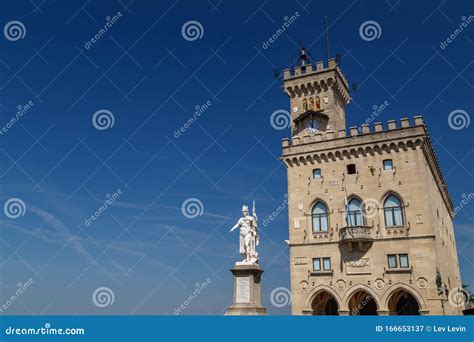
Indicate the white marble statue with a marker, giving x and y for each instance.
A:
(249, 239)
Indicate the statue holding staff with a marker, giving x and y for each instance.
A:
(249, 239)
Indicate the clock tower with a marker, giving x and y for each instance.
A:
(317, 96)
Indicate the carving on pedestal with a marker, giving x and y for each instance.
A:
(242, 289)
(247, 299)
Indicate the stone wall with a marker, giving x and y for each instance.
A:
(426, 236)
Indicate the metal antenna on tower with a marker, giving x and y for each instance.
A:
(327, 37)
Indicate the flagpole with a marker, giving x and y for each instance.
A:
(348, 218)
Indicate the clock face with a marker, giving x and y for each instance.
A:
(312, 126)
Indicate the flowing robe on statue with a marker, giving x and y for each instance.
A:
(248, 238)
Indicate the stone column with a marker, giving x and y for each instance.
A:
(247, 299)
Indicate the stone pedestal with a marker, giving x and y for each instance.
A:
(247, 300)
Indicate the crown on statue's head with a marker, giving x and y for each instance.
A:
(245, 208)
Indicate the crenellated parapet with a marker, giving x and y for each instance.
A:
(359, 142)
(355, 135)
(309, 79)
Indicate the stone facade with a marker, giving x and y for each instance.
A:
(359, 201)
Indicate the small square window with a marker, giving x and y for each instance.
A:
(327, 264)
(403, 260)
(392, 261)
(351, 169)
(316, 173)
(317, 264)
(388, 164)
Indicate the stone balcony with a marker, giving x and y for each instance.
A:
(356, 237)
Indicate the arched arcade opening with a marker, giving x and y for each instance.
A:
(362, 303)
(324, 303)
(402, 302)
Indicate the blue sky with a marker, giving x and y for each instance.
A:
(150, 78)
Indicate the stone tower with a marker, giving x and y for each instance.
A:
(318, 97)
(370, 217)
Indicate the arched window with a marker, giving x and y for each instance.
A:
(393, 211)
(305, 104)
(320, 217)
(311, 103)
(355, 213)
